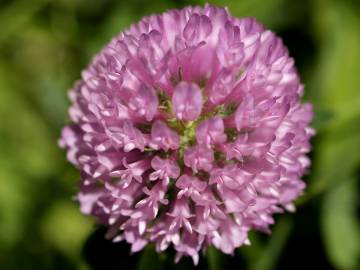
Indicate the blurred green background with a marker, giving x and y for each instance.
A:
(44, 44)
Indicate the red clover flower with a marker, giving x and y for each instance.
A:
(188, 131)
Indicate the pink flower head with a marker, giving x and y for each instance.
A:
(144, 103)
(164, 169)
(196, 113)
(189, 186)
(211, 132)
(187, 101)
(199, 158)
(162, 137)
(131, 171)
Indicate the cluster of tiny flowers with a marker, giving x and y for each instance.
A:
(189, 132)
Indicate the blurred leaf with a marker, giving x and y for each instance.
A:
(340, 228)
(322, 118)
(334, 146)
(333, 89)
(65, 228)
(28, 155)
(214, 258)
(253, 252)
(260, 9)
(17, 14)
(335, 80)
(14, 201)
(336, 156)
(275, 246)
(26, 138)
(47, 68)
(150, 259)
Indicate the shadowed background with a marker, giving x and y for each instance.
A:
(44, 44)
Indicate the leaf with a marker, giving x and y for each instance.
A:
(214, 258)
(16, 15)
(150, 259)
(336, 155)
(333, 88)
(15, 204)
(65, 228)
(273, 249)
(322, 118)
(261, 10)
(340, 228)
(24, 135)
(335, 79)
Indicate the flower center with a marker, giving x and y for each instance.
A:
(187, 138)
